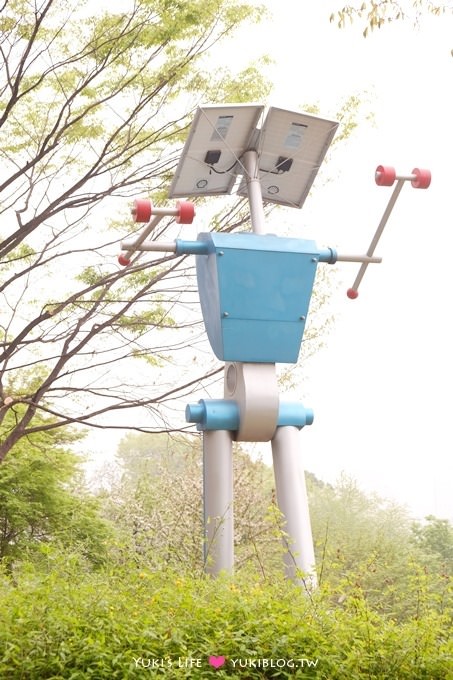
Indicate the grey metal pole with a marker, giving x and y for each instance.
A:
(293, 502)
(251, 165)
(378, 234)
(218, 501)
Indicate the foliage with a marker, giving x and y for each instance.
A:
(435, 539)
(142, 603)
(372, 540)
(157, 503)
(42, 499)
(65, 622)
(94, 106)
(377, 14)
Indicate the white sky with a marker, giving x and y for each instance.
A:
(380, 389)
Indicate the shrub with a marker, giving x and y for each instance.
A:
(66, 622)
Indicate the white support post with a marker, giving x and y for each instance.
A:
(254, 191)
(218, 501)
(293, 502)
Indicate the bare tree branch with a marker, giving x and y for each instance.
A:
(95, 107)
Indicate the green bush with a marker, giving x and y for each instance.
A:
(67, 622)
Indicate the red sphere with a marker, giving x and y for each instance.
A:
(123, 260)
(352, 294)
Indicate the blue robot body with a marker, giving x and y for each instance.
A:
(255, 292)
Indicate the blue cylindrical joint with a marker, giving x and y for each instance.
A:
(195, 413)
(223, 414)
(328, 255)
(214, 414)
(294, 413)
(191, 247)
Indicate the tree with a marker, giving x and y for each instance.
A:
(361, 541)
(378, 14)
(94, 106)
(435, 538)
(157, 503)
(365, 546)
(43, 501)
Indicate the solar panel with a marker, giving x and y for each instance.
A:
(211, 158)
(290, 148)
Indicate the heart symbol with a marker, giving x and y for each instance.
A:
(216, 661)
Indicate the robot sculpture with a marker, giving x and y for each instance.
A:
(255, 291)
